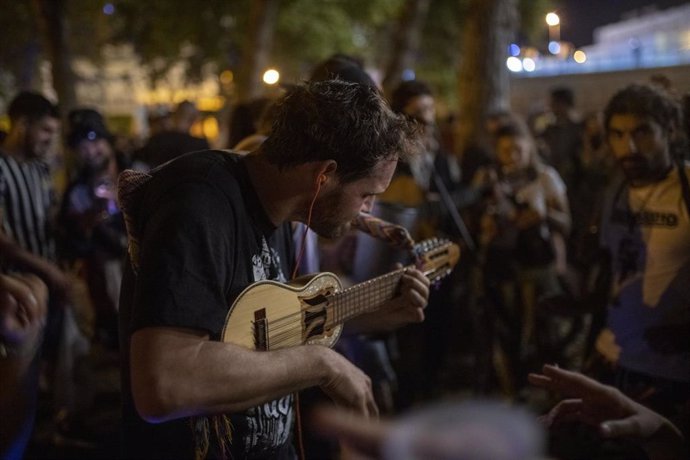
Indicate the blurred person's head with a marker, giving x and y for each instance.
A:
(515, 148)
(244, 118)
(342, 67)
(90, 139)
(562, 102)
(35, 125)
(415, 99)
(184, 116)
(642, 123)
(662, 81)
(159, 120)
(495, 120)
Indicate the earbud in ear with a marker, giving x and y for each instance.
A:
(322, 178)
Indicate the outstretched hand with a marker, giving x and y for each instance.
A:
(361, 435)
(23, 300)
(602, 406)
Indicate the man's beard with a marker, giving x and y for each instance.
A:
(327, 220)
(97, 166)
(637, 169)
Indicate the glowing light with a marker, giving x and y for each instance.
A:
(514, 64)
(552, 19)
(579, 56)
(210, 128)
(227, 77)
(271, 76)
(108, 9)
(408, 74)
(514, 50)
(554, 47)
(529, 65)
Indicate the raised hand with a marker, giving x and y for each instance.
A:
(606, 408)
(23, 300)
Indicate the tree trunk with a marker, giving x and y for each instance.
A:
(257, 47)
(483, 80)
(405, 42)
(53, 24)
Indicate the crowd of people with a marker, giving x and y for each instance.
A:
(575, 237)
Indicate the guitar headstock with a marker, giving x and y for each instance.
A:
(436, 257)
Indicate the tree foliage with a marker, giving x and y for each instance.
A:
(212, 33)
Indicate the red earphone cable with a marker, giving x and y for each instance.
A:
(298, 415)
(306, 230)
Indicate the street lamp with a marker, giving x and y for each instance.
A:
(554, 23)
(552, 19)
(271, 77)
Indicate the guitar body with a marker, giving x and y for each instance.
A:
(269, 315)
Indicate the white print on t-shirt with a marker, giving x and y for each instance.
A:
(266, 266)
(268, 425)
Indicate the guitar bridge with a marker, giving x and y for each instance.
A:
(260, 330)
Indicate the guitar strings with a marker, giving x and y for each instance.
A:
(389, 282)
(294, 330)
(285, 330)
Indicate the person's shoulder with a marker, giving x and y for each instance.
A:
(6, 157)
(547, 172)
(222, 169)
(549, 176)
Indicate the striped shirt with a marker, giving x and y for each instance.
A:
(26, 200)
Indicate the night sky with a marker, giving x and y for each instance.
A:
(579, 18)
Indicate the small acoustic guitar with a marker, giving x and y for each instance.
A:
(269, 315)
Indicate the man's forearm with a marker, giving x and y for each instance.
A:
(16, 256)
(176, 373)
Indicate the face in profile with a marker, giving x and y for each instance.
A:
(41, 136)
(336, 208)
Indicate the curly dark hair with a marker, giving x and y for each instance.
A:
(644, 101)
(336, 120)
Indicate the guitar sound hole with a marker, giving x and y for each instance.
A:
(314, 322)
(260, 330)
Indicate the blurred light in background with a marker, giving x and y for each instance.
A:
(529, 65)
(579, 56)
(554, 47)
(552, 19)
(108, 9)
(514, 50)
(226, 77)
(408, 75)
(271, 76)
(514, 64)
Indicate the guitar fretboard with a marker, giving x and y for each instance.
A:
(364, 297)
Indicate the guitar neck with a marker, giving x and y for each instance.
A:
(363, 297)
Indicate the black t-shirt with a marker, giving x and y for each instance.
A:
(203, 238)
